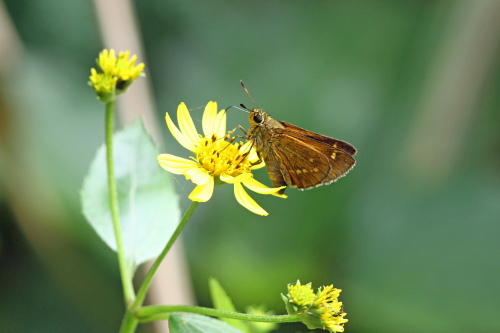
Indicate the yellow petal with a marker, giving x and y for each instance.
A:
(238, 179)
(246, 146)
(209, 117)
(336, 328)
(184, 141)
(175, 164)
(203, 193)
(220, 124)
(246, 201)
(253, 157)
(198, 175)
(186, 123)
(258, 187)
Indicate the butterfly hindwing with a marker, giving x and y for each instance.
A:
(277, 178)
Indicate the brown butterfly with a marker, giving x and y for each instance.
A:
(295, 156)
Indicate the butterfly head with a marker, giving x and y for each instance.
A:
(257, 116)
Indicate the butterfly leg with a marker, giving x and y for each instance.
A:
(242, 129)
(236, 137)
(248, 153)
(257, 162)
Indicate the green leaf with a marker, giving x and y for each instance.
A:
(222, 301)
(148, 205)
(195, 323)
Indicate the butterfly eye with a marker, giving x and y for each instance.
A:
(257, 118)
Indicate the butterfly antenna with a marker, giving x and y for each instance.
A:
(241, 81)
(244, 107)
(225, 111)
(247, 111)
(220, 123)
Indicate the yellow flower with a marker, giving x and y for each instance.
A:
(218, 159)
(121, 67)
(117, 74)
(332, 310)
(320, 310)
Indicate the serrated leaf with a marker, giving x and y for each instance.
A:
(195, 323)
(221, 301)
(148, 205)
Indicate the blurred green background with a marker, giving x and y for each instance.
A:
(411, 235)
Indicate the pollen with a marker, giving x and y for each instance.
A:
(217, 156)
(334, 155)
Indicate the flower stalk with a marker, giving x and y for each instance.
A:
(158, 312)
(128, 288)
(141, 294)
(131, 320)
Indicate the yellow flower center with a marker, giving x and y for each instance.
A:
(301, 295)
(219, 156)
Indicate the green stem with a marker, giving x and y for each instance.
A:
(128, 288)
(141, 294)
(157, 312)
(129, 322)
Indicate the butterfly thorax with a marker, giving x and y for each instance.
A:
(261, 126)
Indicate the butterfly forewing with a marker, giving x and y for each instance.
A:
(342, 145)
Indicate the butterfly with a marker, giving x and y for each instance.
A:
(295, 156)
